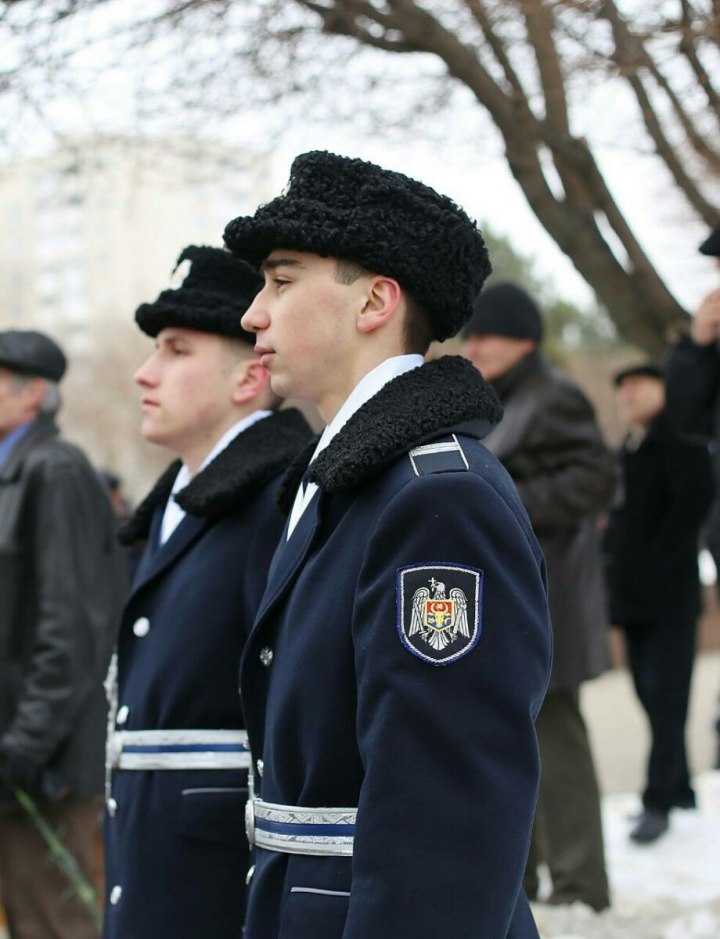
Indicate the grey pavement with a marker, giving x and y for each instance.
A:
(619, 732)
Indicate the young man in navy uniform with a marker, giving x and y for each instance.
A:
(176, 853)
(402, 647)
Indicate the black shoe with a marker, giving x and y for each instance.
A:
(651, 826)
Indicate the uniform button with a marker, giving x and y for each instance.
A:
(141, 627)
(266, 656)
(115, 894)
(260, 768)
(112, 808)
(123, 714)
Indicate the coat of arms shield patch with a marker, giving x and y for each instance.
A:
(439, 610)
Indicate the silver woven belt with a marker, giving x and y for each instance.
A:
(295, 829)
(179, 749)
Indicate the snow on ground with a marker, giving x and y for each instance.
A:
(668, 890)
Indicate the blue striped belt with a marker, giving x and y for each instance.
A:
(294, 829)
(179, 749)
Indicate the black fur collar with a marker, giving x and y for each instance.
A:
(410, 410)
(237, 474)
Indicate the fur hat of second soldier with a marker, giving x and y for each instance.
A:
(390, 224)
(209, 292)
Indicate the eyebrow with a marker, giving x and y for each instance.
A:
(271, 264)
(171, 339)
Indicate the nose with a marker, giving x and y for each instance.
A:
(145, 376)
(255, 318)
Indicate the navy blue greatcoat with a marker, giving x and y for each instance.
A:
(175, 848)
(356, 696)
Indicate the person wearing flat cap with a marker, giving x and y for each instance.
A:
(402, 647)
(551, 445)
(176, 855)
(62, 582)
(651, 548)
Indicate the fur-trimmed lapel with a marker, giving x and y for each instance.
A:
(410, 410)
(236, 475)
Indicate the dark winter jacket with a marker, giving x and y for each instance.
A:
(651, 543)
(62, 582)
(692, 379)
(693, 408)
(550, 444)
(396, 666)
(176, 854)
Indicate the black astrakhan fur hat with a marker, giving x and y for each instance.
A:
(390, 224)
(210, 290)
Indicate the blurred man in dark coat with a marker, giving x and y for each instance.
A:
(549, 442)
(693, 382)
(176, 851)
(61, 587)
(651, 545)
(402, 647)
(693, 398)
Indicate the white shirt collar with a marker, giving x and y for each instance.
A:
(366, 388)
(173, 513)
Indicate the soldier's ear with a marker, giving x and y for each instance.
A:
(382, 299)
(251, 381)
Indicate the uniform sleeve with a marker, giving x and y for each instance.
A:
(449, 751)
(78, 584)
(571, 472)
(693, 385)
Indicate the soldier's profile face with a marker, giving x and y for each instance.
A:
(304, 321)
(187, 384)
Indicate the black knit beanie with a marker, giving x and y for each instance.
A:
(210, 290)
(505, 310)
(384, 221)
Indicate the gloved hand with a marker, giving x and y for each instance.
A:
(17, 771)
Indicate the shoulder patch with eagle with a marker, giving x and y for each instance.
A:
(439, 610)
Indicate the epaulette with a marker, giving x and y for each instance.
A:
(444, 455)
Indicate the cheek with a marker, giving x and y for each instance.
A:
(190, 390)
(311, 320)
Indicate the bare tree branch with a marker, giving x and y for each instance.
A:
(633, 55)
(687, 48)
(520, 60)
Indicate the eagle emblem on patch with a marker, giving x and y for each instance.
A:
(439, 610)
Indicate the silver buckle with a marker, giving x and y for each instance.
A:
(250, 821)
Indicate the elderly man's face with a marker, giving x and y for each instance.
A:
(493, 356)
(18, 401)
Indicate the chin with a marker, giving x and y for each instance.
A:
(152, 434)
(283, 386)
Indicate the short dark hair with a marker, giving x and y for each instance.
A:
(418, 328)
